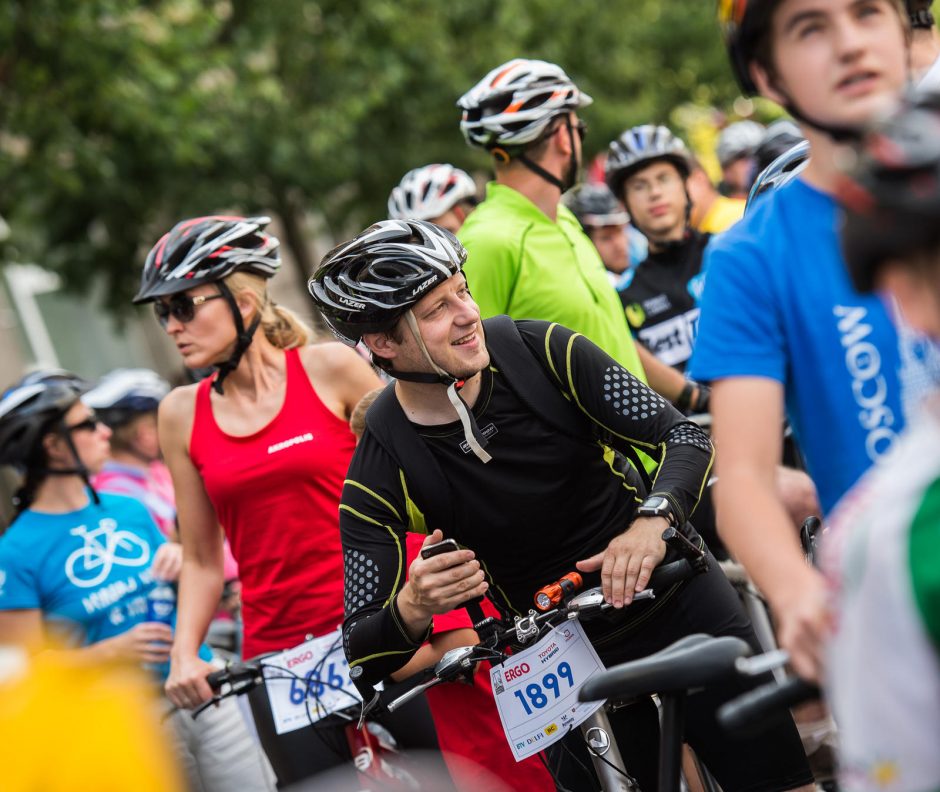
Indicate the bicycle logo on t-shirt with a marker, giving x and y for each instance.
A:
(91, 563)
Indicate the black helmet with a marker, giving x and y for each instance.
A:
(595, 205)
(781, 136)
(31, 408)
(742, 23)
(206, 250)
(365, 285)
(919, 12)
(122, 394)
(891, 196)
(638, 147)
(781, 171)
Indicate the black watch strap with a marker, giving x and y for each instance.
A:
(658, 506)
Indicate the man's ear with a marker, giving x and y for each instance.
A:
(766, 84)
(381, 345)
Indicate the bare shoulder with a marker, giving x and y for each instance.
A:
(340, 375)
(177, 409)
(329, 356)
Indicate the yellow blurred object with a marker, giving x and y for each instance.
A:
(68, 727)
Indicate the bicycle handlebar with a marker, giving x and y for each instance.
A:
(527, 629)
(234, 673)
(744, 713)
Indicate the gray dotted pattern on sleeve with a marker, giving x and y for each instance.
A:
(630, 397)
(362, 580)
(689, 434)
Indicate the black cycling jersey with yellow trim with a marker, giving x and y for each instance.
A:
(546, 500)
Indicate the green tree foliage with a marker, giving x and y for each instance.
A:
(118, 118)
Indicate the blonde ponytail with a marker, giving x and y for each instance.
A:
(281, 326)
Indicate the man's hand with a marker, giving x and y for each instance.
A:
(629, 560)
(438, 585)
(804, 624)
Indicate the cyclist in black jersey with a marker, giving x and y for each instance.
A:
(647, 168)
(525, 501)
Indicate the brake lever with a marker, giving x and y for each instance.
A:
(417, 690)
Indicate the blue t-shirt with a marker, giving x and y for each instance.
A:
(88, 571)
(778, 303)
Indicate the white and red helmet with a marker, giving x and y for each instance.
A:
(429, 192)
(513, 105)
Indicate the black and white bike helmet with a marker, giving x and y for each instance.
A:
(367, 284)
(33, 407)
(638, 147)
(429, 192)
(781, 171)
(122, 394)
(891, 195)
(207, 250)
(595, 206)
(514, 104)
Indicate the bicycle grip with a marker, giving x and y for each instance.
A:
(233, 673)
(667, 575)
(754, 709)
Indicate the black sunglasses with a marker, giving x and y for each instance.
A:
(90, 423)
(581, 128)
(181, 307)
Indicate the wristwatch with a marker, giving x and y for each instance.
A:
(657, 506)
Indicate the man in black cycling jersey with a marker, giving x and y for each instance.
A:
(525, 501)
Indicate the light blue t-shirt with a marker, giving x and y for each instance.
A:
(88, 571)
(778, 303)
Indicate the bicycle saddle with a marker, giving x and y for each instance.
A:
(691, 662)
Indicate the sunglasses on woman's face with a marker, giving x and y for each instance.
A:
(88, 425)
(181, 307)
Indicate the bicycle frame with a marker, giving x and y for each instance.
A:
(597, 729)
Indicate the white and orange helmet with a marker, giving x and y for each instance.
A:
(514, 104)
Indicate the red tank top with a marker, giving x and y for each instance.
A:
(276, 493)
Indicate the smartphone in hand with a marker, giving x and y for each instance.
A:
(446, 546)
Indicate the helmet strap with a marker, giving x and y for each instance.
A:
(538, 170)
(79, 469)
(242, 340)
(838, 134)
(471, 431)
(571, 176)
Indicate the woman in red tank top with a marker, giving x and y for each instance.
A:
(260, 448)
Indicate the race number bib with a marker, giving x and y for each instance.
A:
(309, 682)
(536, 690)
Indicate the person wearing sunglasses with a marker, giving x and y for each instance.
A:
(76, 568)
(260, 447)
